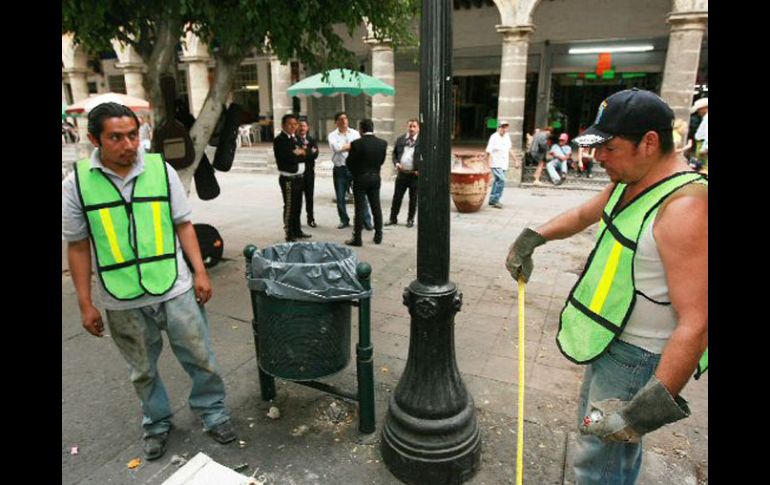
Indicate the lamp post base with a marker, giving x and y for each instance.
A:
(431, 435)
(424, 452)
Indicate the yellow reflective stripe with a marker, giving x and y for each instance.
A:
(158, 228)
(109, 228)
(600, 297)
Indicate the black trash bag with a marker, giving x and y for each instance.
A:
(228, 138)
(313, 272)
(205, 180)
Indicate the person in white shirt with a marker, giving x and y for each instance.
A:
(701, 106)
(405, 158)
(339, 142)
(498, 150)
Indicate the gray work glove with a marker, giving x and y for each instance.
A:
(652, 407)
(519, 261)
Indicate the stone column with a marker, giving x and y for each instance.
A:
(513, 78)
(132, 66)
(79, 86)
(74, 61)
(682, 59)
(281, 80)
(384, 107)
(195, 54)
(543, 105)
(134, 76)
(263, 79)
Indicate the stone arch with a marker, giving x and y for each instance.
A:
(73, 56)
(516, 12)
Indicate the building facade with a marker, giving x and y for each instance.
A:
(532, 62)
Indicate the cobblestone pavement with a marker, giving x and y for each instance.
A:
(101, 415)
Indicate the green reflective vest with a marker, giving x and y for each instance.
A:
(603, 298)
(134, 242)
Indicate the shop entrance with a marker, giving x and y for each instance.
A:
(475, 102)
(576, 98)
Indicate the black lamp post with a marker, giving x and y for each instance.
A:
(431, 435)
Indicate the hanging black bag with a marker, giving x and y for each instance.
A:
(228, 138)
(206, 184)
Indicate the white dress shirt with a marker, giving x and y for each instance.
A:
(338, 140)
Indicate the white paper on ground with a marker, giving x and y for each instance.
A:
(202, 470)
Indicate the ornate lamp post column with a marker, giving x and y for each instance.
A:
(431, 435)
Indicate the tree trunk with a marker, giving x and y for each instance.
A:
(212, 108)
(161, 61)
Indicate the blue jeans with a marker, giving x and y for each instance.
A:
(619, 373)
(553, 165)
(342, 180)
(137, 334)
(497, 186)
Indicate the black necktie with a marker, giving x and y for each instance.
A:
(410, 142)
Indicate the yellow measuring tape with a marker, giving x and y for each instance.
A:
(520, 430)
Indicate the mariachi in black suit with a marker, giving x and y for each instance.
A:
(311, 148)
(291, 182)
(367, 154)
(405, 179)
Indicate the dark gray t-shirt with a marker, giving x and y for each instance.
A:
(539, 146)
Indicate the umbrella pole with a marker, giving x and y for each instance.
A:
(342, 98)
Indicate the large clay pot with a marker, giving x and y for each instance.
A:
(471, 180)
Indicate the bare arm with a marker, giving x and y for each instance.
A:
(79, 258)
(189, 241)
(575, 220)
(681, 232)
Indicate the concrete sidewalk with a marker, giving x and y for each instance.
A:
(314, 442)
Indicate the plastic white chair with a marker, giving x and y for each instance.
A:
(244, 136)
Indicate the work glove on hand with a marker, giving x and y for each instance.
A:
(652, 407)
(519, 261)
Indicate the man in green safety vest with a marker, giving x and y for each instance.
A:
(638, 315)
(131, 208)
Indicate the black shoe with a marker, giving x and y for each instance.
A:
(409, 223)
(155, 446)
(391, 223)
(368, 227)
(223, 433)
(311, 223)
(304, 235)
(377, 237)
(343, 225)
(291, 239)
(354, 242)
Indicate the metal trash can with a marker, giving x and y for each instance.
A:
(302, 341)
(302, 296)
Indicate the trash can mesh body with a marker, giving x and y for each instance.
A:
(303, 293)
(301, 340)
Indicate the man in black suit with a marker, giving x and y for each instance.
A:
(367, 154)
(405, 158)
(290, 160)
(309, 144)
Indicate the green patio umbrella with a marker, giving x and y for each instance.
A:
(341, 81)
